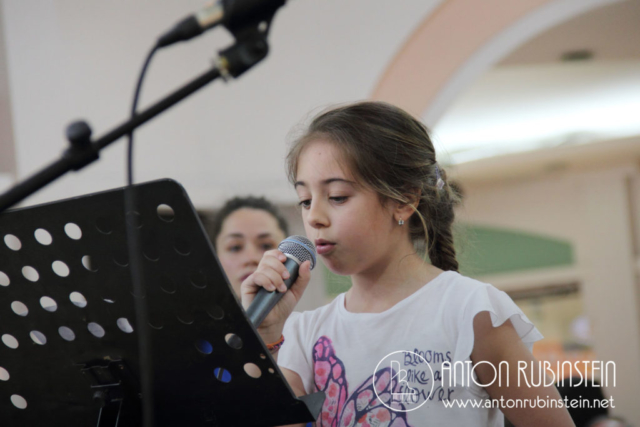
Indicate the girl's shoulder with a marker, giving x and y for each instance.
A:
(457, 286)
(468, 297)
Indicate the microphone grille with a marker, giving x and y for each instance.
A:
(299, 247)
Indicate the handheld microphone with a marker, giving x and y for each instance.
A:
(297, 249)
(230, 13)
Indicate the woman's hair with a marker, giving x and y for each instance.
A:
(391, 152)
(250, 202)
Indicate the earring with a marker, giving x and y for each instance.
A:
(401, 221)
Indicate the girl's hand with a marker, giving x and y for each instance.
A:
(271, 274)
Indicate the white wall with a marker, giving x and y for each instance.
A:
(596, 209)
(7, 154)
(71, 59)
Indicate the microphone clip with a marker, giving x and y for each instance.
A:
(250, 48)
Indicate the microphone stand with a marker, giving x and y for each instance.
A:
(250, 48)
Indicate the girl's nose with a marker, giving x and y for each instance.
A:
(317, 216)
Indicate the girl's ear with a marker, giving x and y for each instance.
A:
(405, 210)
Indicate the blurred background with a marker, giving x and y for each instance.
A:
(534, 107)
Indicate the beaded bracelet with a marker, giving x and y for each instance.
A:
(276, 345)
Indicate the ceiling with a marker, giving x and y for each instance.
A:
(533, 99)
(610, 32)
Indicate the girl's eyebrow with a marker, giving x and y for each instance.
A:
(325, 182)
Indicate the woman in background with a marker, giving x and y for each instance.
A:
(242, 231)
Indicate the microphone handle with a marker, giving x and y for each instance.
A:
(264, 300)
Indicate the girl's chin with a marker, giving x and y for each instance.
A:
(337, 268)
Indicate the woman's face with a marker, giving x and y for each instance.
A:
(245, 235)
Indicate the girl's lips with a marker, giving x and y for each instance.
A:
(324, 248)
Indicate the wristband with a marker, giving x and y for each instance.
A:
(273, 347)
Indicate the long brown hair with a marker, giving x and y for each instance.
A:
(391, 152)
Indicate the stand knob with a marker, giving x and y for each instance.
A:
(79, 134)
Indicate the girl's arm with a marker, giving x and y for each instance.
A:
(502, 343)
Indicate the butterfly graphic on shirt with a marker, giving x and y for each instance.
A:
(363, 407)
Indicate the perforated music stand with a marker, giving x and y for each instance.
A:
(66, 300)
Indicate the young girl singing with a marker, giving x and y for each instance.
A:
(375, 203)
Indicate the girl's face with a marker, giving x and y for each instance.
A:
(245, 235)
(352, 231)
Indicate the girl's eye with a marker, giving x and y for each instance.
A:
(235, 248)
(268, 246)
(305, 203)
(339, 200)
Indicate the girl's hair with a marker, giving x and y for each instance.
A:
(390, 152)
(250, 202)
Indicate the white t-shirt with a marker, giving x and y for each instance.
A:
(338, 352)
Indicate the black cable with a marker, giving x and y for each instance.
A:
(134, 107)
(133, 239)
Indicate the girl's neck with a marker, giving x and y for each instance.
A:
(386, 284)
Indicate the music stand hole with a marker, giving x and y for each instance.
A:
(252, 370)
(96, 330)
(124, 325)
(19, 308)
(4, 279)
(78, 299)
(10, 341)
(38, 337)
(138, 293)
(30, 273)
(104, 225)
(18, 401)
(60, 268)
(185, 317)
(109, 300)
(222, 375)
(151, 252)
(12, 242)
(204, 346)
(4, 374)
(166, 213)
(89, 263)
(168, 285)
(263, 356)
(216, 313)
(271, 371)
(121, 260)
(135, 219)
(156, 323)
(73, 231)
(199, 280)
(182, 246)
(233, 341)
(66, 333)
(48, 304)
(43, 237)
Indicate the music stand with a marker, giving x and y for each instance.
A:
(65, 287)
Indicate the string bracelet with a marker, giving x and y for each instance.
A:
(273, 347)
